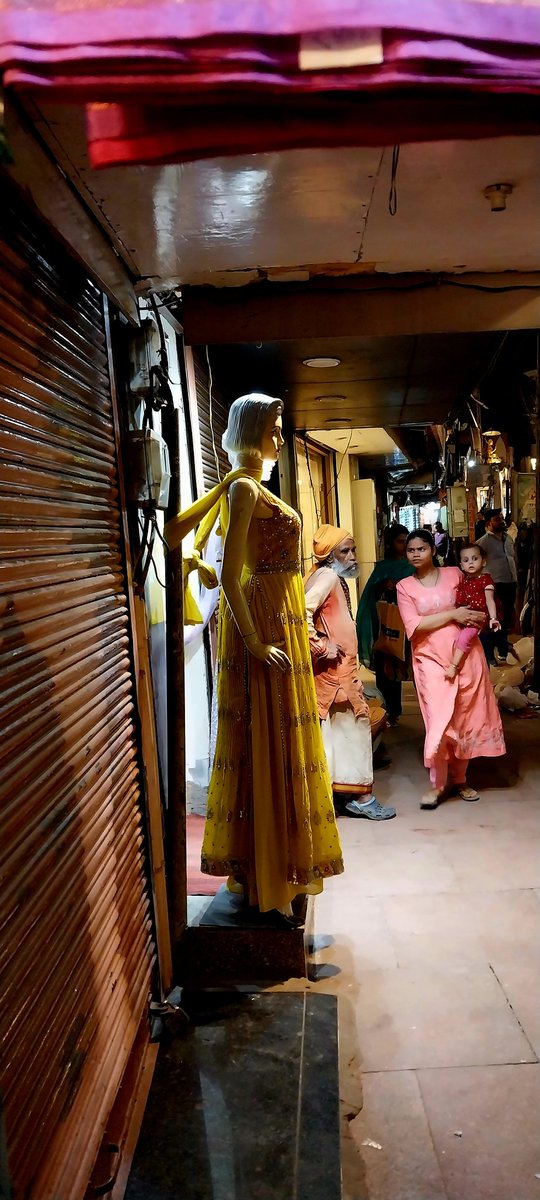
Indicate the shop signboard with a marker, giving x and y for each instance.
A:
(524, 498)
(458, 511)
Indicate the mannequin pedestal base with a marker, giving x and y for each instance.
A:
(234, 944)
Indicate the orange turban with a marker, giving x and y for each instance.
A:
(326, 539)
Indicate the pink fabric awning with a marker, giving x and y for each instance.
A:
(173, 81)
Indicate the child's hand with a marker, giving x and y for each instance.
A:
(495, 625)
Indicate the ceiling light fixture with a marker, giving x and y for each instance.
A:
(321, 399)
(321, 364)
(496, 193)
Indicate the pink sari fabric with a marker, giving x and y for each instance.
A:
(461, 716)
(175, 80)
(74, 22)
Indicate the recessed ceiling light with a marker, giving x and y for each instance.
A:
(321, 363)
(321, 399)
(334, 422)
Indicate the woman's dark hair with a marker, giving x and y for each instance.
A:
(390, 534)
(422, 535)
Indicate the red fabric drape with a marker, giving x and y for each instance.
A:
(122, 133)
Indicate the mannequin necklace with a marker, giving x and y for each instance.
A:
(430, 585)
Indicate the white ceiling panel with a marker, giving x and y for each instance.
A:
(292, 214)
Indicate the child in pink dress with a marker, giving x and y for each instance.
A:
(476, 591)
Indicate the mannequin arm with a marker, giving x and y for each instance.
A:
(242, 501)
(243, 496)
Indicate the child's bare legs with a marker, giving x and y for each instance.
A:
(462, 645)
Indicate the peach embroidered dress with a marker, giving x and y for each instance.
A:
(270, 818)
(461, 715)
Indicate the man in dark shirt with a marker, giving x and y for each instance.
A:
(498, 548)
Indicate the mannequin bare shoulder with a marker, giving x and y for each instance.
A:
(243, 498)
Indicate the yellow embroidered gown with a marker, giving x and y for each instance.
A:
(270, 819)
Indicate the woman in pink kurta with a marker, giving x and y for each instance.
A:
(461, 715)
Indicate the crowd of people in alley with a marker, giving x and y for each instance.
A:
(423, 617)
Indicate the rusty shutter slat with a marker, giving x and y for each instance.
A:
(219, 413)
(76, 948)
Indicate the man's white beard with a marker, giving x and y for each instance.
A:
(345, 572)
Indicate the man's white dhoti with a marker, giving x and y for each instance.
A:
(347, 742)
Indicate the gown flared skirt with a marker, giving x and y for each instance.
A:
(270, 819)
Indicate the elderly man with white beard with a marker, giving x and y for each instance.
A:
(343, 709)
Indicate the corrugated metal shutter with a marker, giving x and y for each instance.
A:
(210, 447)
(76, 942)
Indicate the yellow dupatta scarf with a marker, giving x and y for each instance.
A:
(204, 513)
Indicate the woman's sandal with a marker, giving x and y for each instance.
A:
(466, 793)
(431, 799)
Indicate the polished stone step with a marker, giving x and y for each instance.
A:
(244, 1104)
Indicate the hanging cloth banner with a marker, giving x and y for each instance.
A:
(172, 82)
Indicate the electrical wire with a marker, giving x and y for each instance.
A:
(160, 536)
(145, 555)
(160, 581)
(211, 412)
(454, 412)
(393, 196)
(430, 284)
(338, 472)
(491, 365)
(148, 525)
(312, 486)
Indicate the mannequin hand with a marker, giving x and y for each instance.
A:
(469, 616)
(495, 625)
(332, 652)
(273, 656)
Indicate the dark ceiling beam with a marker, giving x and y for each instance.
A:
(375, 306)
(403, 439)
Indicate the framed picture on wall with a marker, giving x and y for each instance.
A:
(524, 497)
(458, 514)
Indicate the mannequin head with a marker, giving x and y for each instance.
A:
(253, 430)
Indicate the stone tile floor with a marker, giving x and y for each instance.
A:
(431, 942)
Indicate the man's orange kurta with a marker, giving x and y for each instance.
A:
(330, 619)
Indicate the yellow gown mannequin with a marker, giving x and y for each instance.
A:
(270, 822)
